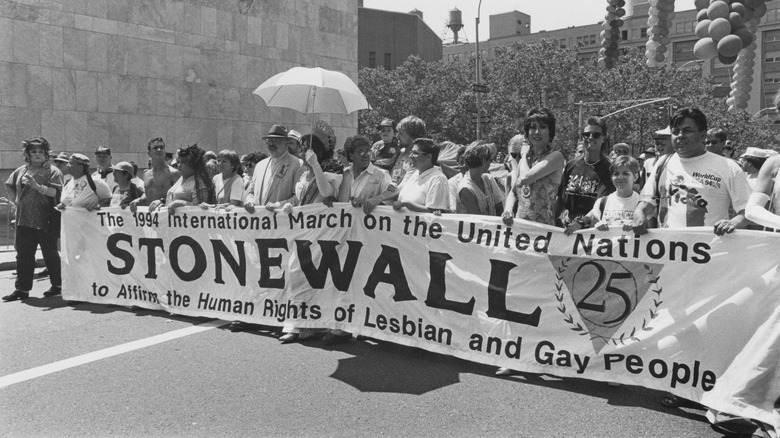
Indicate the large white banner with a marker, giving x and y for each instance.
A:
(682, 311)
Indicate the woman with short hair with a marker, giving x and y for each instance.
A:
(228, 183)
(538, 172)
(424, 189)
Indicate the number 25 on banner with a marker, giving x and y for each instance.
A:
(605, 293)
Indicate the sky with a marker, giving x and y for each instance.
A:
(545, 14)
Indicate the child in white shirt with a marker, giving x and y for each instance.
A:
(616, 208)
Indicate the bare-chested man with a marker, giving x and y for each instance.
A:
(158, 179)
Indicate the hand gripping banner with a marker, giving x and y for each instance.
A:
(682, 311)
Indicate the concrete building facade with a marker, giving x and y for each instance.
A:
(766, 78)
(88, 73)
(386, 39)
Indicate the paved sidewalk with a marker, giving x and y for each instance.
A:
(8, 260)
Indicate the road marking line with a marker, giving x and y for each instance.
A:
(54, 367)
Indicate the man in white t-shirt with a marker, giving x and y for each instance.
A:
(696, 187)
(84, 191)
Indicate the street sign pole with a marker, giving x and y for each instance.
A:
(479, 95)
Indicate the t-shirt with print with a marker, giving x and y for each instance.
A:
(78, 193)
(698, 191)
(582, 184)
(617, 210)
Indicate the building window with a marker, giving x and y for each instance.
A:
(643, 32)
(372, 59)
(772, 77)
(624, 35)
(772, 35)
(773, 56)
(563, 43)
(593, 39)
(388, 61)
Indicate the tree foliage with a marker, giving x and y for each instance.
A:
(525, 75)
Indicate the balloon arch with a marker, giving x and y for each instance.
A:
(726, 29)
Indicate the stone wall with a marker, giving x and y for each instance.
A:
(85, 73)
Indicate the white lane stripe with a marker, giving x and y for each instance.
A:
(54, 367)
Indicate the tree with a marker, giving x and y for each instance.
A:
(525, 75)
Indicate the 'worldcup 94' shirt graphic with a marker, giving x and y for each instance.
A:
(698, 191)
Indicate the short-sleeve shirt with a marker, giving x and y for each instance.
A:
(429, 188)
(617, 210)
(234, 191)
(582, 183)
(32, 208)
(78, 193)
(697, 191)
(372, 181)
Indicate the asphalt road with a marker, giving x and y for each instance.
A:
(70, 369)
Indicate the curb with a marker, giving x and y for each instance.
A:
(8, 263)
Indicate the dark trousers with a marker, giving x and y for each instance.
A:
(27, 241)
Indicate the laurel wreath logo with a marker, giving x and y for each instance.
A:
(624, 336)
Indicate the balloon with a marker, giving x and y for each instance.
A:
(701, 15)
(705, 48)
(666, 6)
(718, 9)
(730, 45)
(730, 100)
(748, 89)
(664, 31)
(652, 45)
(665, 40)
(745, 35)
(662, 16)
(660, 57)
(735, 20)
(619, 22)
(742, 105)
(759, 11)
(701, 4)
(739, 8)
(749, 63)
(651, 63)
(611, 9)
(612, 2)
(726, 60)
(703, 28)
(620, 12)
(621, 3)
(750, 3)
(652, 11)
(652, 21)
(661, 49)
(748, 15)
(719, 28)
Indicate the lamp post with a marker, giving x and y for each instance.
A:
(478, 71)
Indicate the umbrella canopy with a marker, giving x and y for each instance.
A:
(312, 90)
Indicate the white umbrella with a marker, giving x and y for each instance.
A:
(312, 90)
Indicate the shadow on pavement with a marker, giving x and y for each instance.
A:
(379, 366)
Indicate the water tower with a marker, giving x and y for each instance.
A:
(455, 24)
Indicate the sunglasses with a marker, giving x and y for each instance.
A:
(595, 135)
